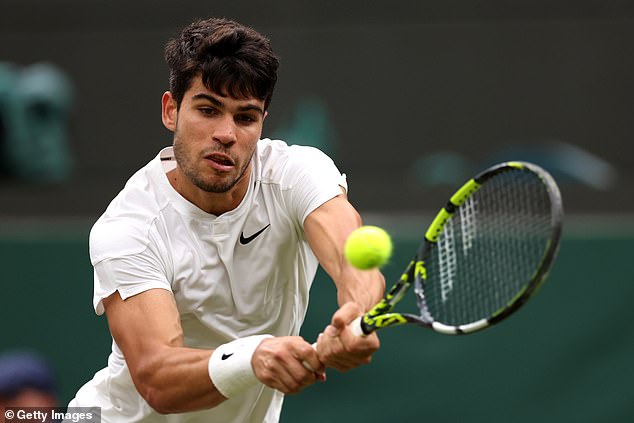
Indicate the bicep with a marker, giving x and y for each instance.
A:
(171, 377)
(327, 229)
(143, 324)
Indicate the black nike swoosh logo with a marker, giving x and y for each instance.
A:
(245, 240)
(225, 356)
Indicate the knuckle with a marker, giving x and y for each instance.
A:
(294, 386)
(266, 377)
(278, 354)
(307, 379)
(304, 350)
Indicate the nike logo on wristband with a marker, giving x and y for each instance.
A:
(225, 356)
(245, 240)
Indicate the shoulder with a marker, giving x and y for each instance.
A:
(304, 176)
(112, 237)
(272, 150)
(278, 162)
(124, 227)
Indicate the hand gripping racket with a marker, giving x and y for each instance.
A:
(483, 256)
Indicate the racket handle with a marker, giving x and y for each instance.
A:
(355, 327)
(310, 368)
(305, 363)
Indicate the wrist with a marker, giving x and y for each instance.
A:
(230, 368)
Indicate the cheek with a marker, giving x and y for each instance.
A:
(249, 147)
(191, 132)
(250, 136)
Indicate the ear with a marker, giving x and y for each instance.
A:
(169, 111)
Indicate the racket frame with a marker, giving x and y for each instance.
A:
(381, 315)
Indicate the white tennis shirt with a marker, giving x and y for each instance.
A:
(245, 272)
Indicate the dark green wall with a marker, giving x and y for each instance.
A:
(565, 357)
(46, 305)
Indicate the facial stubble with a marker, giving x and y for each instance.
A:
(187, 165)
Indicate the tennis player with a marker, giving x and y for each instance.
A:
(203, 262)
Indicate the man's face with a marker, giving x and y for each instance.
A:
(215, 137)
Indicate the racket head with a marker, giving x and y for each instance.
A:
(488, 250)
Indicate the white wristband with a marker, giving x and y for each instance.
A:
(230, 367)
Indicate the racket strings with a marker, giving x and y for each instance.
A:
(489, 250)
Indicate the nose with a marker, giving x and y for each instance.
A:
(225, 131)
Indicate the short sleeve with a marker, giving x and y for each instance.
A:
(124, 260)
(129, 275)
(312, 178)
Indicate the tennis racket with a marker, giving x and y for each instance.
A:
(483, 256)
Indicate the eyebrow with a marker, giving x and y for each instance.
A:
(213, 100)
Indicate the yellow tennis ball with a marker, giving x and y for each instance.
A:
(368, 247)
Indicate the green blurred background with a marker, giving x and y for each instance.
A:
(564, 357)
(410, 97)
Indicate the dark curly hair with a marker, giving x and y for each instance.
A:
(232, 59)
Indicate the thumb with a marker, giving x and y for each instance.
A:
(332, 330)
(346, 314)
(338, 322)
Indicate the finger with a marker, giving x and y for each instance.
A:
(346, 314)
(358, 350)
(319, 375)
(359, 345)
(310, 361)
(277, 364)
(303, 364)
(333, 353)
(300, 376)
(315, 366)
(346, 341)
(272, 378)
(285, 379)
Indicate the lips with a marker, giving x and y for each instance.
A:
(220, 161)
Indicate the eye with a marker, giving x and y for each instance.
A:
(209, 111)
(246, 119)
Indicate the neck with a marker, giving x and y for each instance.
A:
(215, 203)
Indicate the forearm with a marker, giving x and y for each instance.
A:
(169, 376)
(327, 229)
(176, 379)
(362, 287)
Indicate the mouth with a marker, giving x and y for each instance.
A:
(220, 161)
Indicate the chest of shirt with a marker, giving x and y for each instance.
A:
(235, 265)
